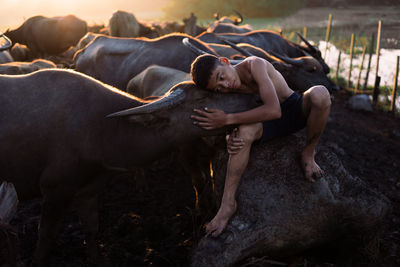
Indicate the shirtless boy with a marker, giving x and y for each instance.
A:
(283, 112)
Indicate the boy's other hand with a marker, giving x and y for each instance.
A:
(233, 142)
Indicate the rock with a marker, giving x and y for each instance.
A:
(281, 214)
(8, 202)
(8, 235)
(395, 133)
(360, 102)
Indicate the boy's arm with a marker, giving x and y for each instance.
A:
(270, 109)
(214, 118)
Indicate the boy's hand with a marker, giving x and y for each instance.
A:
(233, 142)
(209, 119)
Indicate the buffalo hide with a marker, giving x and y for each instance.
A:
(280, 214)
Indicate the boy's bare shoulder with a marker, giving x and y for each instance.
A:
(254, 60)
(258, 64)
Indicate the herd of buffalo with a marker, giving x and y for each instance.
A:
(84, 104)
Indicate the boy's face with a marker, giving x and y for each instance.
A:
(224, 78)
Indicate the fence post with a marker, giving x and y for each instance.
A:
(394, 91)
(361, 68)
(378, 44)
(351, 60)
(338, 65)
(371, 51)
(328, 34)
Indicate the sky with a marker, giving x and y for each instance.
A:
(14, 12)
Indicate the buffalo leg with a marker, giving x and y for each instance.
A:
(87, 200)
(195, 159)
(57, 194)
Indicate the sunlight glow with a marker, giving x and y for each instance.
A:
(14, 12)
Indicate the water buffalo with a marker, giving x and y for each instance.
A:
(229, 28)
(117, 60)
(227, 25)
(20, 52)
(5, 56)
(124, 24)
(155, 81)
(225, 19)
(87, 38)
(45, 35)
(268, 41)
(61, 130)
(18, 67)
(300, 73)
(190, 26)
(6, 42)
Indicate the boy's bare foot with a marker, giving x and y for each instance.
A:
(311, 169)
(217, 225)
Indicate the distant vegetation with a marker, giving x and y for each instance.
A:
(178, 9)
(204, 9)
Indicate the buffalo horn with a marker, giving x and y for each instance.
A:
(306, 42)
(240, 17)
(234, 46)
(195, 49)
(8, 43)
(296, 62)
(170, 100)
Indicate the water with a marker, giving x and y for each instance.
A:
(386, 69)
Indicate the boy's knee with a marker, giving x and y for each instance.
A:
(320, 97)
(250, 132)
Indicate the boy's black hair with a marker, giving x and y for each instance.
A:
(201, 69)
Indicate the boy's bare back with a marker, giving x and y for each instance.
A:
(258, 74)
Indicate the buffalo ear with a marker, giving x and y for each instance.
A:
(281, 67)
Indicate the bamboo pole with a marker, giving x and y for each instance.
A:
(361, 68)
(338, 65)
(351, 60)
(328, 33)
(394, 91)
(371, 51)
(378, 44)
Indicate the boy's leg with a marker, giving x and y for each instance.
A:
(315, 107)
(236, 165)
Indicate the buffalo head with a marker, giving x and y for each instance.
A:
(313, 51)
(303, 72)
(173, 111)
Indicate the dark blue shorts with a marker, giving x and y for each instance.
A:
(291, 120)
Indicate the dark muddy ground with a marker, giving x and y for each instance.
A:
(155, 224)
